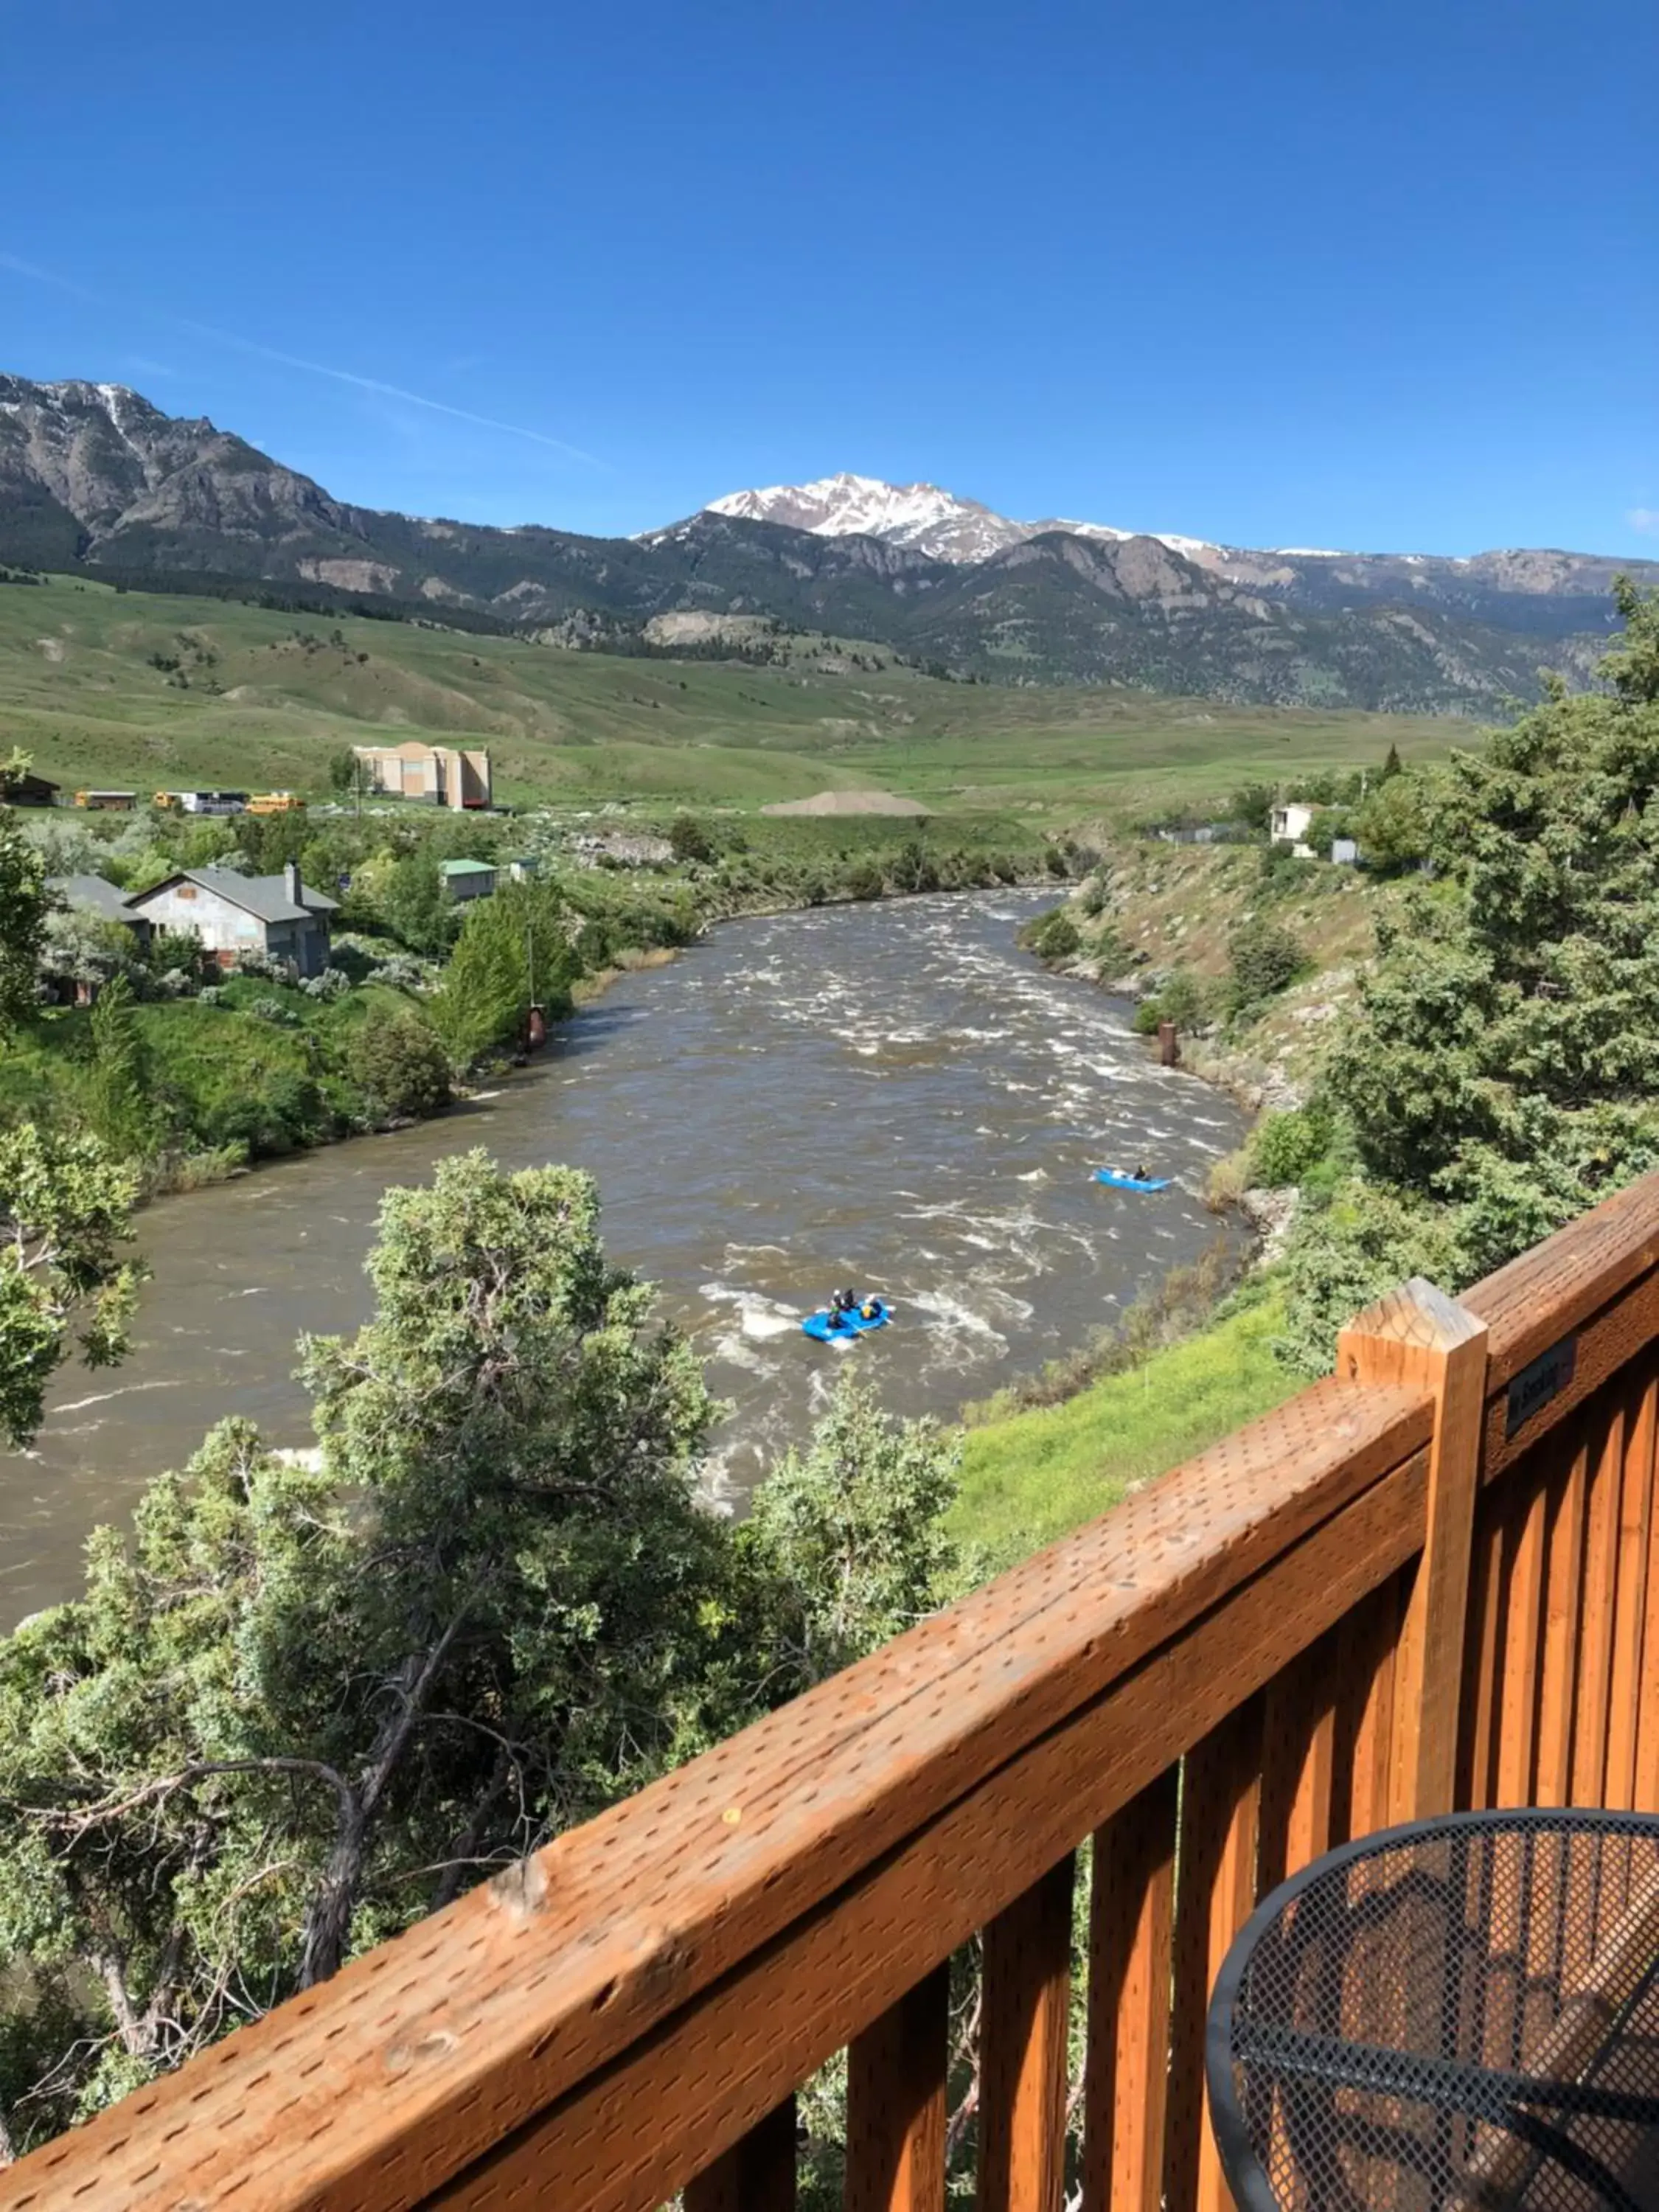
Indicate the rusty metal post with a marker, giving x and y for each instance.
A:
(1169, 1045)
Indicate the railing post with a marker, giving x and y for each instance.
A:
(1419, 1337)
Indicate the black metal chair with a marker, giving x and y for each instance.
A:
(1462, 2013)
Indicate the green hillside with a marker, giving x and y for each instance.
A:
(110, 687)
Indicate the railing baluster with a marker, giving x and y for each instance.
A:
(896, 2085)
(1589, 1754)
(1215, 1890)
(756, 2174)
(1299, 1759)
(1022, 2097)
(1126, 2071)
(1564, 1592)
(1480, 1722)
(1366, 1642)
(1632, 1653)
(1523, 1605)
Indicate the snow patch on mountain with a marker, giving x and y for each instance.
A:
(923, 516)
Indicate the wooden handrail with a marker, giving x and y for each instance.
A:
(597, 2026)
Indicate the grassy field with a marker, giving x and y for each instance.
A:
(1032, 1477)
(131, 689)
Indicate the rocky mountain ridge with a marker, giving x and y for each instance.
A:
(95, 477)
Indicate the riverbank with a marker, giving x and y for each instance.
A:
(1035, 1475)
(1161, 924)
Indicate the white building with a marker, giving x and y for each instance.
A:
(1289, 825)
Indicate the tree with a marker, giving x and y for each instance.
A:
(1506, 1058)
(397, 1059)
(311, 1703)
(1392, 765)
(82, 948)
(689, 839)
(482, 1003)
(118, 1083)
(65, 1210)
(1393, 826)
(1264, 957)
(315, 1703)
(25, 904)
(346, 772)
(852, 1532)
(1503, 1071)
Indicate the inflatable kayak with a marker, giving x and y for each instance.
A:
(1133, 1182)
(848, 1325)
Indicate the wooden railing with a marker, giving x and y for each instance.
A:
(1427, 1581)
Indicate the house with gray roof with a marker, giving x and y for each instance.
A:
(278, 918)
(103, 900)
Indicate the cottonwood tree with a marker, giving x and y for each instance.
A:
(67, 1280)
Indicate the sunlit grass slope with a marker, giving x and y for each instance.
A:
(247, 695)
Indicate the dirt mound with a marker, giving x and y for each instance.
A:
(849, 802)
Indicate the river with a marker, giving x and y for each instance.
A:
(894, 1097)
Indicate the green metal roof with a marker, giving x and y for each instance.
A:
(465, 868)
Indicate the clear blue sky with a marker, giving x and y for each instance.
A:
(1273, 272)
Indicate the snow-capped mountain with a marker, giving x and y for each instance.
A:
(934, 521)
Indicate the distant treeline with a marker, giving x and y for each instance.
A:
(296, 598)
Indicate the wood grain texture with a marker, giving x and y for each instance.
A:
(756, 2174)
(1022, 2107)
(1563, 1598)
(896, 2085)
(1478, 1723)
(727, 2059)
(1523, 1615)
(1215, 1890)
(1299, 1763)
(1127, 2069)
(1632, 1654)
(1606, 1447)
(1419, 1337)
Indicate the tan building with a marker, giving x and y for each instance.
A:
(443, 773)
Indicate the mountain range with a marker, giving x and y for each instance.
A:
(94, 476)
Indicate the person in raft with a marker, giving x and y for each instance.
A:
(843, 1305)
(1142, 1173)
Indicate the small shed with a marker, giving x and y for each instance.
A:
(467, 880)
(25, 788)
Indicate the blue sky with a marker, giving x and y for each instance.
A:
(1277, 272)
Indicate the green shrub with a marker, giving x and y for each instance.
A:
(1286, 1147)
(1264, 957)
(689, 840)
(398, 1062)
(1052, 936)
(863, 881)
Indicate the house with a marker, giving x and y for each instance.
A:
(444, 774)
(103, 900)
(278, 918)
(24, 789)
(1288, 824)
(467, 880)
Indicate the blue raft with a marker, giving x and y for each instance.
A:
(1133, 1182)
(853, 1324)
